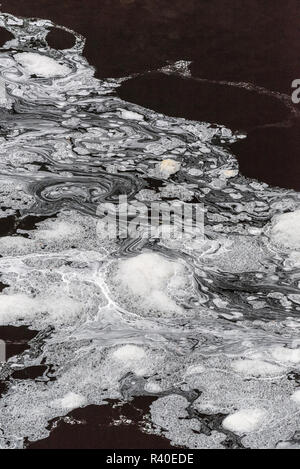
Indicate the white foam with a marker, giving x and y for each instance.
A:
(194, 370)
(18, 244)
(129, 352)
(147, 276)
(286, 355)
(296, 397)
(256, 368)
(125, 114)
(70, 401)
(4, 99)
(293, 260)
(153, 387)
(168, 167)
(19, 306)
(132, 358)
(64, 282)
(41, 65)
(288, 445)
(286, 230)
(244, 420)
(57, 230)
(229, 173)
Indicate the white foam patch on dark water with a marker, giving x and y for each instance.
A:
(40, 65)
(286, 230)
(209, 325)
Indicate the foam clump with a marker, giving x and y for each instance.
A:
(147, 277)
(130, 358)
(19, 306)
(15, 244)
(129, 352)
(195, 370)
(168, 167)
(256, 368)
(286, 355)
(244, 420)
(286, 230)
(57, 230)
(288, 445)
(293, 260)
(125, 323)
(153, 387)
(41, 65)
(125, 114)
(69, 402)
(16, 306)
(296, 397)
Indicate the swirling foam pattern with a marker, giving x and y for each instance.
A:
(208, 325)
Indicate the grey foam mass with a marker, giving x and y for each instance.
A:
(208, 325)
